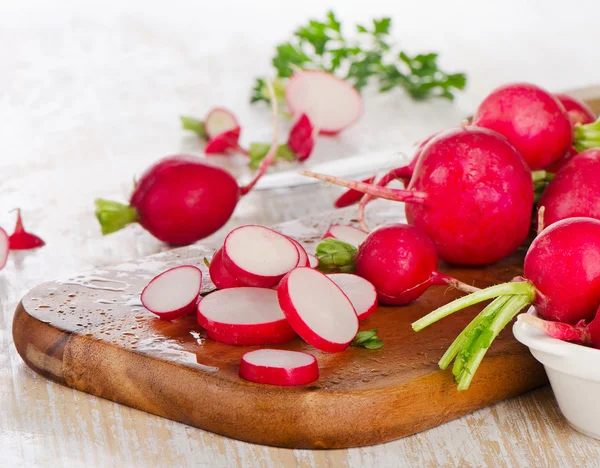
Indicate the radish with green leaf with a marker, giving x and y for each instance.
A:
(279, 367)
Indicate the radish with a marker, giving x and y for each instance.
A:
(350, 197)
(313, 262)
(219, 275)
(317, 309)
(219, 121)
(471, 193)
(4, 248)
(532, 120)
(21, 239)
(361, 293)
(575, 190)
(331, 103)
(244, 317)
(301, 138)
(577, 111)
(279, 367)
(401, 263)
(220, 128)
(182, 199)
(561, 279)
(173, 293)
(223, 142)
(302, 255)
(259, 256)
(348, 234)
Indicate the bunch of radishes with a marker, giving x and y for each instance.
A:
(20, 239)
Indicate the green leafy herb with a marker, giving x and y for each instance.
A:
(194, 125)
(367, 339)
(335, 255)
(371, 55)
(258, 151)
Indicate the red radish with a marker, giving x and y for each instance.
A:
(313, 262)
(532, 120)
(173, 293)
(279, 367)
(182, 199)
(302, 255)
(301, 139)
(23, 240)
(259, 256)
(223, 142)
(4, 248)
(361, 293)
(317, 309)
(219, 275)
(348, 234)
(558, 165)
(575, 190)
(244, 317)
(351, 197)
(578, 111)
(219, 121)
(401, 263)
(331, 103)
(562, 281)
(471, 193)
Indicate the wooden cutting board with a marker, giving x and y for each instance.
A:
(91, 333)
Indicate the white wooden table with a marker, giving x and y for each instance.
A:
(89, 96)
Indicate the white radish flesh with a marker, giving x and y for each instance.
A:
(245, 317)
(313, 261)
(348, 234)
(317, 309)
(219, 121)
(279, 367)
(173, 293)
(259, 256)
(330, 103)
(303, 256)
(361, 293)
(4, 248)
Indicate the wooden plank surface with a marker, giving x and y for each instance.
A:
(90, 96)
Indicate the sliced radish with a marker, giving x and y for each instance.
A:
(173, 293)
(361, 293)
(351, 196)
(245, 317)
(223, 142)
(259, 256)
(313, 261)
(279, 367)
(301, 140)
(4, 248)
(348, 234)
(317, 309)
(219, 275)
(330, 103)
(218, 121)
(303, 256)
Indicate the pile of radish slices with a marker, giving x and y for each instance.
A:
(268, 293)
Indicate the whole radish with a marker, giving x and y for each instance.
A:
(575, 190)
(532, 120)
(561, 279)
(471, 193)
(579, 112)
(182, 199)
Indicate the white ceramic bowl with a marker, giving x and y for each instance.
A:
(574, 373)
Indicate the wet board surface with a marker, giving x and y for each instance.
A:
(91, 333)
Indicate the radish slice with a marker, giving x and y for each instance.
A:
(317, 309)
(279, 367)
(223, 142)
(259, 256)
(303, 260)
(219, 275)
(4, 248)
(173, 293)
(218, 121)
(348, 234)
(313, 261)
(330, 103)
(244, 317)
(361, 293)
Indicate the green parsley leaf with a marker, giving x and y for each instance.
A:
(367, 339)
(258, 151)
(194, 125)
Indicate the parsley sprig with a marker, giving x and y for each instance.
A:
(371, 55)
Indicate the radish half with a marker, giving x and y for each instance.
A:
(173, 293)
(279, 367)
(330, 103)
(302, 255)
(218, 121)
(362, 293)
(348, 234)
(317, 309)
(259, 256)
(4, 248)
(313, 261)
(244, 317)
(219, 275)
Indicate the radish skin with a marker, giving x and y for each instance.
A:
(302, 255)
(279, 367)
(578, 112)
(4, 248)
(223, 142)
(220, 276)
(173, 293)
(347, 234)
(244, 317)
(20, 239)
(301, 139)
(361, 293)
(351, 197)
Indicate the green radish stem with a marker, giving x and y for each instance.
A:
(586, 136)
(114, 216)
(444, 280)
